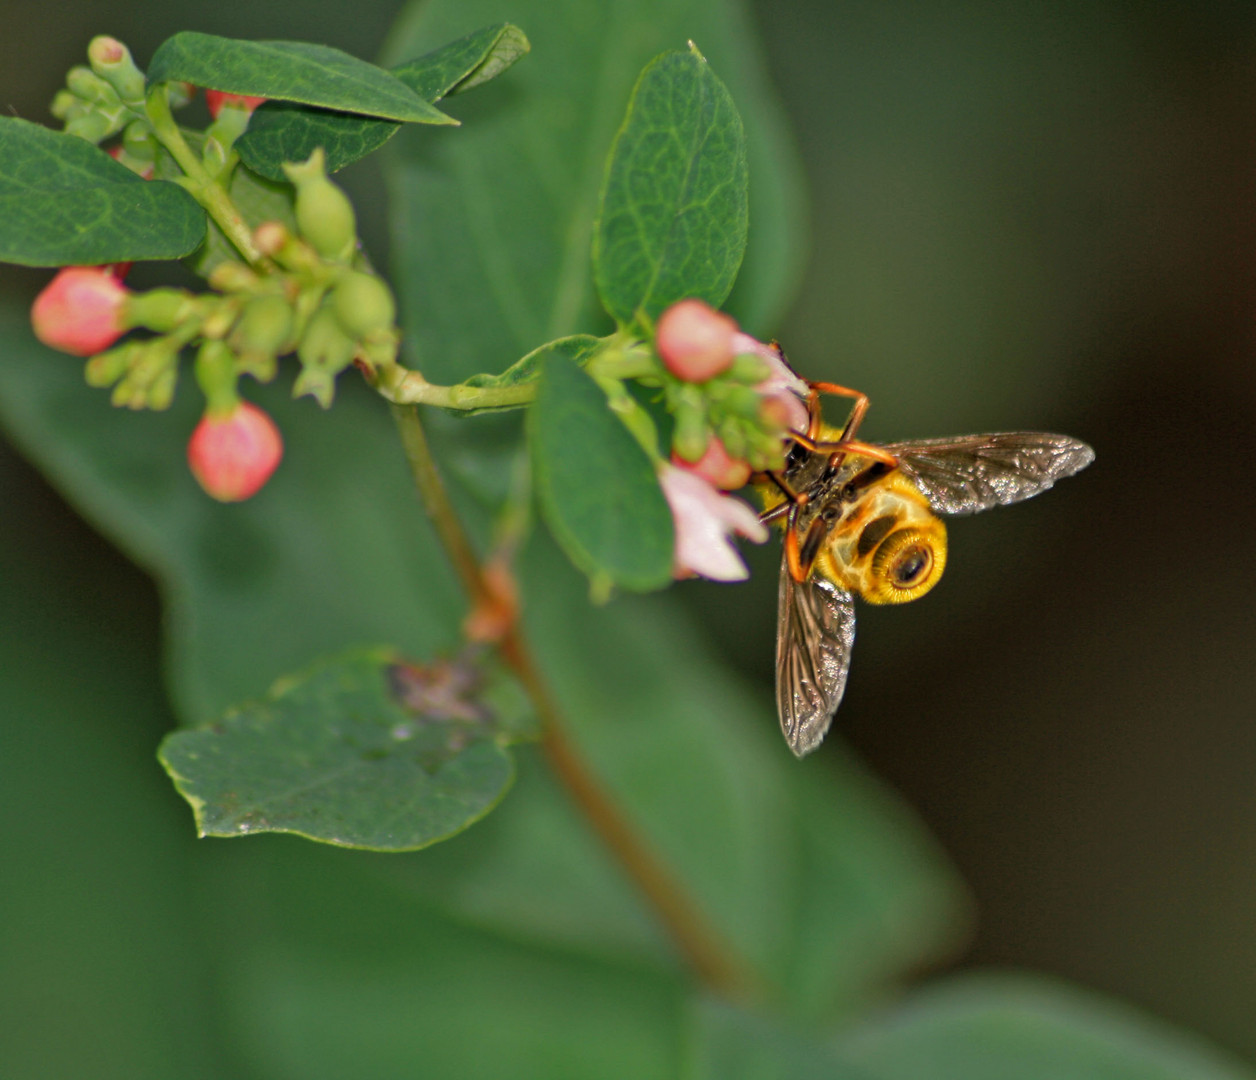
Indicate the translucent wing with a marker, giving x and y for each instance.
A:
(814, 632)
(975, 472)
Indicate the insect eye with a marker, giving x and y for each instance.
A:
(796, 456)
(907, 564)
(912, 566)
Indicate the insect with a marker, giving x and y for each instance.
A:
(862, 518)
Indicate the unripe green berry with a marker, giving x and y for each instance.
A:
(691, 433)
(363, 304)
(324, 214)
(324, 352)
(265, 326)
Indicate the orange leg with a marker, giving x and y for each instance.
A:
(857, 410)
(845, 446)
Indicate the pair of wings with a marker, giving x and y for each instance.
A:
(816, 618)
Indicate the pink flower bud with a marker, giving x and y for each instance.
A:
(694, 341)
(705, 522)
(232, 455)
(80, 310)
(717, 467)
(216, 99)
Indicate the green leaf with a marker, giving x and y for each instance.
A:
(65, 202)
(727, 1043)
(289, 71)
(673, 215)
(596, 486)
(499, 219)
(285, 131)
(991, 1027)
(362, 751)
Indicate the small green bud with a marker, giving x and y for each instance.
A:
(324, 352)
(64, 105)
(86, 84)
(92, 126)
(106, 368)
(265, 325)
(215, 370)
(111, 60)
(733, 436)
(363, 304)
(691, 433)
(742, 401)
(161, 394)
(749, 369)
(139, 142)
(325, 216)
(231, 276)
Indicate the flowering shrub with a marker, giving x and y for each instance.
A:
(788, 900)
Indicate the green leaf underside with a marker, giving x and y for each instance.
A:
(65, 202)
(578, 347)
(334, 755)
(597, 487)
(290, 71)
(673, 219)
(285, 131)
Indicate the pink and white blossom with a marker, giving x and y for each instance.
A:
(705, 523)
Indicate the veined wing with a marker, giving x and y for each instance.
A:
(814, 632)
(975, 472)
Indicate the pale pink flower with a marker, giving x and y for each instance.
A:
(705, 523)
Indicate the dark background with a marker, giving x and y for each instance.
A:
(1022, 216)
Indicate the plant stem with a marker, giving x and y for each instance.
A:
(706, 954)
(198, 183)
(403, 386)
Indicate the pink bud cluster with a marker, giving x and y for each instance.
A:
(82, 311)
(697, 344)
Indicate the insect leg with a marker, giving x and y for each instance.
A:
(845, 446)
(857, 410)
(801, 556)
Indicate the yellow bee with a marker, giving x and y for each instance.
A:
(861, 518)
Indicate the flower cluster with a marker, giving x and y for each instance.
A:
(312, 299)
(734, 400)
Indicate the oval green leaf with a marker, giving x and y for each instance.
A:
(65, 202)
(362, 751)
(597, 487)
(673, 216)
(282, 131)
(290, 71)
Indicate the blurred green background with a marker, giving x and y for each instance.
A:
(1030, 216)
